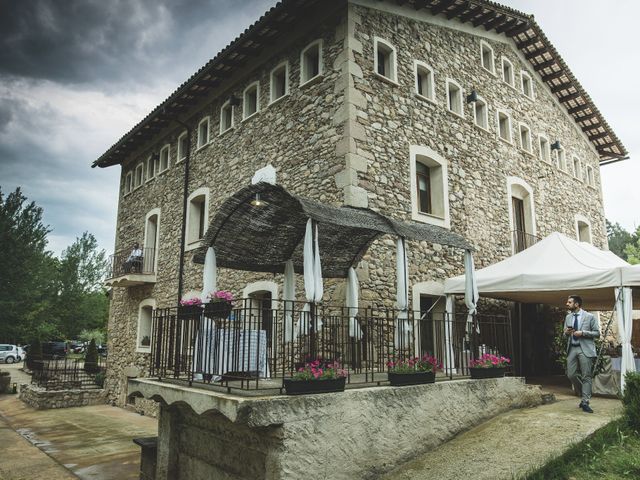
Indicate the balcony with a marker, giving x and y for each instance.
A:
(129, 271)
(522, 240)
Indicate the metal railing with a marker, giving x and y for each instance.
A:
(522, 240)
(123, 263)
(66, 374)
(254, 348)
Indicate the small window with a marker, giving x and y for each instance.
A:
(425, 86)
(385, 59)
(128, 183)
(164, 158)
(590, 178)
(504, 126)
(423, 182)
(311, 62)
(583, 229)
(561, 159)
(151, 167)
(138, 177)
(525, 138)
(577, 169)
(486, 57)
(145, 316)
(197, 216)
(507, 71)
(250, 103)
(545, 149)
(226, 116)
(279, 81)
(527, 84)
(481, 114)
(183, 146)
(203, 132)
(429, 187)
(454, 97)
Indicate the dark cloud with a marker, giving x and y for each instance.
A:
(86, 41)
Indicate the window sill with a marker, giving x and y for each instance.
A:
(312, 81)
(203, 146)
(226, 131)
(277, 100)
(506, 140)
(459, 115)
(149, 180)
(492, 72)
(425, 99)
(180, 160)
(443, 222)
(528, 97)
(527, 152)
(480, 127)
(390, 81)
(250, 116)
(162, 172)
(511, 85)
(143, 349)
(193, 245)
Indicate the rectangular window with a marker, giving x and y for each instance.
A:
(590, 179)
(527, 85)
(183, 146)
(545, 151)
(507, 71)
(164, 158)
(226, 117)
(151, 168)
(481, 115)
(385, 59)
(525, 138)
(486, 57)
(250, 104)
(504, 126)
(454, 98)
(311, 62)
(203, 132)
(279, 82)
(196, 218)
(139, 176)
(424, 81)
(128, 183)
(562, 159)
(423, 182)
(577, 171)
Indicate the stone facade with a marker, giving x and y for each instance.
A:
(42, 399)
(347, 137)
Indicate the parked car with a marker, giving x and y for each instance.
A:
(102, 350)
(8, 353)
(22, 353)
(76, 346)
(58, 349)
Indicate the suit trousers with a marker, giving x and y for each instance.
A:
(577, 360)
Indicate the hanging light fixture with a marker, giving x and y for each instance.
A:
(257, 201)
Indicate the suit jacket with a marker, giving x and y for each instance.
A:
(590, 327)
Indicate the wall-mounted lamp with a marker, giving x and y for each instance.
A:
(472, 97)
(556, 145)
(257, 201)
(234, 101)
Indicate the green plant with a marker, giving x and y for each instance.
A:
(95, 334)
(631, 399)
(427, 363)
(489, 360)
(318, 370)
(91, 358)
(100, 376)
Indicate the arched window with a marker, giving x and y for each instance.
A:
(425, 86)
(197, 217)
(151, 241)
(384, 60)
(279, 80)
(429, 186)
(486, 57)
(583, 229)
(311, 62)
(260, 301)
(522, 218)
(144, 332)
(251, 100)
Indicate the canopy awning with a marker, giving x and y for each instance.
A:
(262, 238)
(552, 269)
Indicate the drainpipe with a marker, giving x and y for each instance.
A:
(185, 195)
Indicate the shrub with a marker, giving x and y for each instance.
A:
(631, 399)
(34, 356)
(91, 358)
(100, 376)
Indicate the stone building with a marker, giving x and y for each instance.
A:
(458, 114)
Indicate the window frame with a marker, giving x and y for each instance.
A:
(393, 61)
(448, 82)
(527, 129)
(520, 189)
(418, 153)
(578, 175)
(484, 44)
(486, 114)
(252, 85)
(512, 83)
(285, 65)
(525, 75)
(586, 222)
(179, 152)
(200, 145)
(128, 183)
(151, 166)
(223, 108)
(510, 126)
(544, 153)
(419, 65)
(138, 182)
(303, 80)
(166, 148)
(561, 158)
(144, 304)
(591, 182)
(192, 243)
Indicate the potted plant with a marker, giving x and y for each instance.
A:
(315, 377)
(191, 307)
(488, 366)
(413, 370)
(219, 305)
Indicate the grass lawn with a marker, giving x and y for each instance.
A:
(612, 452)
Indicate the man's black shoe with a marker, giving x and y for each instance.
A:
(586, 408)
(580, 404)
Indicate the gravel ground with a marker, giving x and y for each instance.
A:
(512, 444)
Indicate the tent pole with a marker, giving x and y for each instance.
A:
(520, 369)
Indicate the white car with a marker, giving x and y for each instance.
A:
(9, 353)
(22, 354)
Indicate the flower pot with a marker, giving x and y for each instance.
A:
(218, 309)
(302, 387)
(190, 311)
(416, 378)
(479, 373)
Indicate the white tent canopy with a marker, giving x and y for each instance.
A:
(552, 269)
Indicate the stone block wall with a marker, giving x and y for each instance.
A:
(42, 399)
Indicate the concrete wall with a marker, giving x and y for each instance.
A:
(347, 435)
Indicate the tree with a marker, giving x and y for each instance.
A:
(618, 239)
(632, 249)
(91, 358)
(27, 270)
(81, 302)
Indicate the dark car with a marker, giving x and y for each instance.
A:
(58, 349)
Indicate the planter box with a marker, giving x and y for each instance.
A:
(190, 311)
(219, 309)
(479, 373)
(302, 387)
(417, 378)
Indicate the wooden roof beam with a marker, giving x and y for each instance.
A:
(599, 135)
(507, 25)
(552, 76)
(587, 118)
(547, 64)
(606, 145)
(495, 22)
(561, 87)
(523, 27)
(420, 4)
(483, 18)
(442, 6)
(571, 96)
(536, 53)
(468, 15)
(457, 10)
(578, 109)
(528, 43)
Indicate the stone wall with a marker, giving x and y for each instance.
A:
(353, 434)
(345, 138)
(42, 399)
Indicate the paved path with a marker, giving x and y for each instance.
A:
(511, 444)
(91, 442)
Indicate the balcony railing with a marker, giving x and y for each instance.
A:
(523, 240)
(123, 264)
(253, 348)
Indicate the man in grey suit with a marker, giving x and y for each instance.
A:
(581, 328)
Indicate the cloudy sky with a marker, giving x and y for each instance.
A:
(75, 75)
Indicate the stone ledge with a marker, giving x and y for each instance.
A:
(42, 399)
